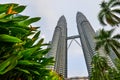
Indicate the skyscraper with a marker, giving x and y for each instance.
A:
(59, 47)
(87, 34)
(59, 44)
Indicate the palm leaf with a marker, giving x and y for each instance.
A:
(101, 17)
(110, 32)
(103, 4)
(101, 35)
(116, 3)
(116, 18)
(117, 11)
(117, 36)
(110, 20)
(115, 50)
(104, 34)
(97, 37)
(115, 43)
(111, 2)
(98, 45)
(107, 50)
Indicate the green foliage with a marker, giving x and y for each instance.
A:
(21, 58)
(7, 38)
(108, 41)
(109, 13)
(99, 68)
(54, 76)
(105, 40)
(102, 71)
(28, 21)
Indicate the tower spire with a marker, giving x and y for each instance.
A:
(62, 22)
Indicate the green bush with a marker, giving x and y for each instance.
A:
(21, 58)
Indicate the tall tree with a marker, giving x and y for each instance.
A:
(110, 13)
(107, 41)
(99, 68)
(102, 71)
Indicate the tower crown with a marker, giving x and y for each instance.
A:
(62, 22)
(80, 17)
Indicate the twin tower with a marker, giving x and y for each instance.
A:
(59, 43)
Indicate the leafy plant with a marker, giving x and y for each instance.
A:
(21, 58)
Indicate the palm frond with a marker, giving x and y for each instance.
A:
(98, 33)
(117, 36)
(108, 13)
(101, 17)
(103, 4)
(110, 20)
(111, 2)
(98, 44)
(110, 32)
(102, 34)
(105, 34)
(117, 11)
(107, 50)
(115, 4)
(115, 43)
(115, 50)
(98, 36)
(116, 18)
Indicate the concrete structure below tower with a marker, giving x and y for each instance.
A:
(78, 78)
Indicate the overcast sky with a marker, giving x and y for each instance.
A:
(50, 11)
